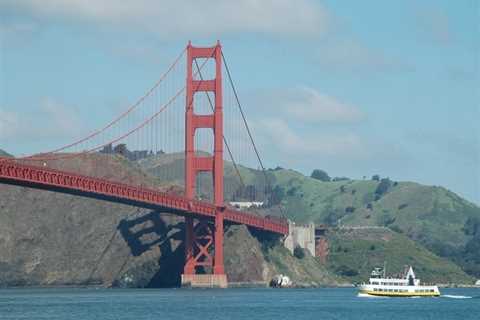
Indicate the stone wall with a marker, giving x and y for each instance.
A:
(302, 236)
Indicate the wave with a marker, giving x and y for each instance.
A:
(456, 297)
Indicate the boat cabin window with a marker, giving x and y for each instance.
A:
(410, 280)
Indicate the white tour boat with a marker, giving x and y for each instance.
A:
(407, 286)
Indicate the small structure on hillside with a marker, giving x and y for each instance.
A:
(477, 283)
(321, 243)
(246, 204)
(302, 236)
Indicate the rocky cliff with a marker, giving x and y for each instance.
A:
(49, 238)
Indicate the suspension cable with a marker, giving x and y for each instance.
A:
(121, 116)
(48, 156)
(223, 136)
(267, 181)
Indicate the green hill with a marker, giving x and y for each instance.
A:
(433, 217)
(355, 252)
(4, 154)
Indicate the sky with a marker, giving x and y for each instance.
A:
(355, 88)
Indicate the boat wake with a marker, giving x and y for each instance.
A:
(455, 297)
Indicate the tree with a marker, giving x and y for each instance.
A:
(121, 149)
(320, 175)
(383, 186)
(376, 177)
(298, 252)
(472, 226)
(278, 193)
(350, 209)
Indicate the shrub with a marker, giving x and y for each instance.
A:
(372, 247)
(396, 228)
(346, 271)
(277, 195)
(376, 177)
(383, 186)
(320, 175)
(402, 206)
(292, 191)
(350, 209)
(340, 179)
(386, 220)
(298, 252)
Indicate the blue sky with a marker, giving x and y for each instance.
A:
(356, 87)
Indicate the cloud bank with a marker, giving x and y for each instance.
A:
(51, 121)
(168, 19)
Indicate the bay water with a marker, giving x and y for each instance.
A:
(244, 303)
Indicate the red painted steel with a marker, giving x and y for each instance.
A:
(195, 164)
(200, 237)
(15, 173)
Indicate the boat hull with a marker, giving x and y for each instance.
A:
(399, 294)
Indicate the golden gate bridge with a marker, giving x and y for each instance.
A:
(196, 115)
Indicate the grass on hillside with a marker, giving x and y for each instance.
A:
(354, 254)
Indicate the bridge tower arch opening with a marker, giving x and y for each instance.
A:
(201, 236)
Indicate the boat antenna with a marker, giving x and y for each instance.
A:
(384, 269)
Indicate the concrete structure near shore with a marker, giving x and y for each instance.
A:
(302, 236)
(477, 283)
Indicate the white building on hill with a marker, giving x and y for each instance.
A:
(246, 204)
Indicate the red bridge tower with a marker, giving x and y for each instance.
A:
(201, 236)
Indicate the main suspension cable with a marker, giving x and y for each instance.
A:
(121, 116)
(267, 181)
(49, 156)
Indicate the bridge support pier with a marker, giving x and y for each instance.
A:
(201, 269)
(204, 237)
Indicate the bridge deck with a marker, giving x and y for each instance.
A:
(66, 182)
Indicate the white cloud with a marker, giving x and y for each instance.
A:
(51, 120)
(309, 105)
(303, 123)
(300, 143)
(192, 17)
(352, 55)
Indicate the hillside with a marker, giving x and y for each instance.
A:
(355, 252)
(54, 239)
(433, 217)
(50, 239)
(4, 153)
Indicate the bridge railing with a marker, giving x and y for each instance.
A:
(35, 175)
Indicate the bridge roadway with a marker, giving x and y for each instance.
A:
(14, 173)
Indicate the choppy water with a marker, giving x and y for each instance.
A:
(179, 304)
